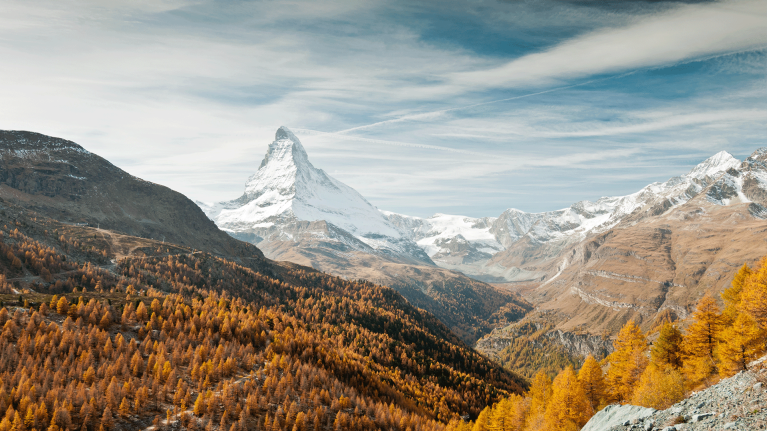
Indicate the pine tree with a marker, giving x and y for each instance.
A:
(540, 395)
(569, 408)
(199, 405)
(593, 382)
(754, 295)
(701, 340)
(627, 362)
(483, 420)
(667, 349)
(731, 295)
(660, 387)
(742, 342)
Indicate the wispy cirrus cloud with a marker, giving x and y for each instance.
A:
(682, 34)
(476, 106)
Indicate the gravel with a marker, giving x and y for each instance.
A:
(737, 403)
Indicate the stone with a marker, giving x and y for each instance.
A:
(700, 417)
(616, 415)
(729, 425)
(758, 386)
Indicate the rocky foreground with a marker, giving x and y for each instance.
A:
(736, 403)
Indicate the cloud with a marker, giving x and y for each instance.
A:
(682, 34)
(189, 93)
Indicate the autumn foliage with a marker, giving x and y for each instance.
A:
(208, 343)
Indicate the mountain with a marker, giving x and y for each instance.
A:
(685, 238)
(287, 191)
(499, 249)
(296, 212)
(62, 180)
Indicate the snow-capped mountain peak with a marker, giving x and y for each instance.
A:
(287, 189)
(714, 165)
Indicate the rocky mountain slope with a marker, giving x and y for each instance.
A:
(736, 403)
(62, 180)
(655, 264)
(295, 212)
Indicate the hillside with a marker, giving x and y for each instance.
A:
(180, 334)
(62, 180)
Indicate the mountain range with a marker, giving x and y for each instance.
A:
(562, 261)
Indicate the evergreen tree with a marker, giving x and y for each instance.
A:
(569, 408)
(742, 342)
(626, 363)
(701, 340)
(593, 382)
(667, 349)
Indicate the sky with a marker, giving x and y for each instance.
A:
(459, 107)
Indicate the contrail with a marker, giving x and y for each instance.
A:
(434, 114)
(395, 143)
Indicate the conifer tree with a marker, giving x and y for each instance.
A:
(483, 420)
(731, 295)
(199, 405)
(667, 349)
(62, 306)
(742, 342)
(700, 341)
(627, 362)
(540, 395)
(124, 408)
(593, 382)
(569, 408)
(754, 295)
(660, 387)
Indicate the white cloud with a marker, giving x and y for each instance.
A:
(685, 33)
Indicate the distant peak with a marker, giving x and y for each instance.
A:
(714, 165)
(758, 155)
(285, 148)
(285, 133)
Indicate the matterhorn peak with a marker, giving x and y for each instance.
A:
(286, 149)
(287, 187)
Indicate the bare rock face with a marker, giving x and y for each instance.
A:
(62, 180)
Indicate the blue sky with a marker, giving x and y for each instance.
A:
(463, 107)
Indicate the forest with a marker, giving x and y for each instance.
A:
(181, 338)
(177, 338)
